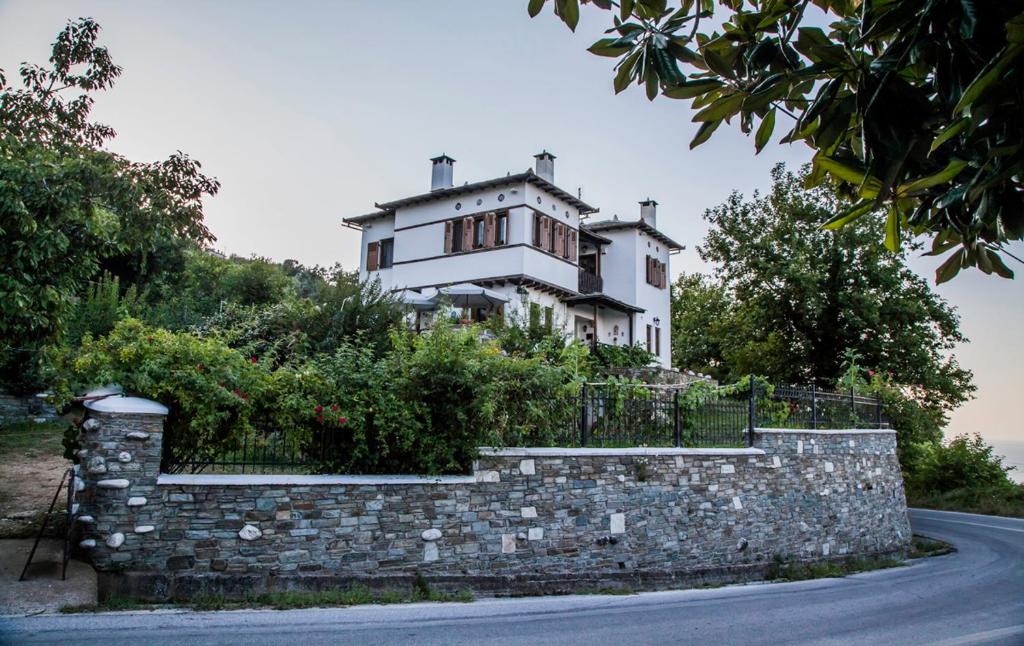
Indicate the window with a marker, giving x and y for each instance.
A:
(549, 319)
(456, 236)
(537, 219)
(501, 235)
(656, 271)
(372, 256)
(551, 235)
(657, 341)
(387, 253)
(650, 334)
(534, 317)
(478, 233)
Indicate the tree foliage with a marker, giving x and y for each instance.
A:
(789, 301)
(66, 203)
(911, 106)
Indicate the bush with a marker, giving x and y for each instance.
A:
(961, 463)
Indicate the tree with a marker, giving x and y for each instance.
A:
(910, 106)
(789, 300)
(67, 205)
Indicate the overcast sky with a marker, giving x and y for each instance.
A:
(311, 111)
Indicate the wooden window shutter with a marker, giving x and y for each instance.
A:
(573, 246)
(372, 256)
(489, 229)
(559, 239)
(648, 275)
(664, 277)
(545, 242)
(467, 234)
(650, 347)
(448, 236)
(657, 341)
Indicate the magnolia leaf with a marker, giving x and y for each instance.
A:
(606, 47)
(988, 75)
(848, 216)
(950, 268)
(704, 133)
(998, 265)
(722, 108)
(690, 89)
(764, 131)
(892, 230)
(534, 7)
(946, 174)
(950, 131)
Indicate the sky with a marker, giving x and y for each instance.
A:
(308, 112)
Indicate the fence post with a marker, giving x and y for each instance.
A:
(878, 409)
(814, 406)
(751, 412)
(677, 429)
(583, 416)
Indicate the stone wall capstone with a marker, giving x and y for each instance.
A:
(526, 520)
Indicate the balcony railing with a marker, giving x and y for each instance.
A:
(590, 283)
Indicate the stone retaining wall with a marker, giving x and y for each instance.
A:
(527, 520)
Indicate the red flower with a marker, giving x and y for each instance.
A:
(871, 373)
(341, 420)
(334, 407)
(320, 418)
(245, 396)
(253, 359)
(199, 367)
(319, 409)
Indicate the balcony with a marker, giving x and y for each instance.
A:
(590, 283)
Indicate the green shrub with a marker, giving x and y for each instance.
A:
(965, 462)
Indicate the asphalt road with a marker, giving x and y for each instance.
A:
(975, 596)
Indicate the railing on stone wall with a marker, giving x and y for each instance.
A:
(609, 415)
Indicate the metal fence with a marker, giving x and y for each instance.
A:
(613, 415)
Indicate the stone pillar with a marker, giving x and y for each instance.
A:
(119, 506)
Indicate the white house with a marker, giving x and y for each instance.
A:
(534, 246)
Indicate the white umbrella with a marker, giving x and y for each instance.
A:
(416, 300)
(468, 295)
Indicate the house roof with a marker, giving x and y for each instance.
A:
(530, 177)
(593, 237)
(613, 225)
(603, 300)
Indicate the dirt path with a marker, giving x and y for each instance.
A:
(27, 485)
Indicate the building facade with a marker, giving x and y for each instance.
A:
(534, 244)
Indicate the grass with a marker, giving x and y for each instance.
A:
(799, 571)
(992, 501)
(31, 439)
(285, 600)
(922, 547)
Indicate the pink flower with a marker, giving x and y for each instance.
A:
(341, 421)
(334, 407)
(319, 409)
(253, 359)
(320, 418)
(871, 373)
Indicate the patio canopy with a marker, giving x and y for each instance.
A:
(417, 301)
(467, 295)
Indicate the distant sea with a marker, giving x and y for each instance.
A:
(1013, 455)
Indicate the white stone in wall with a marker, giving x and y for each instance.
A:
(776, 461)
(124, 456)
(617, 523)
(694, 477)
(249, 533)
(508, 543)
(829, 467)
(799, 447)
(712, 488)
(528, 512)
(144, 529)
(88, 520)
(728, 468)
(536, 533)
(79, 484)
(680, 462)
(88, 543)
(136, 501)
(527, 467)
(431, 534)
(137, 435)
(488, 476)
(826, 549)
(736, 503)
(96, 464)
(74, 509)
(852, 444)
(521, 536)
(430, 552)
(91, 424)
(620, 478)
(82, 454)
(116, 483)
(115, 540)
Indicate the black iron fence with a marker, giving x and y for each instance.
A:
(613, 415)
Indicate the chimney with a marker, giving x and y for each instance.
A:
(441, 173)
(546, 166)
(649, 212)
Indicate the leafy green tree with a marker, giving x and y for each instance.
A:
(67, 204)
(788, 301)
(911, 106)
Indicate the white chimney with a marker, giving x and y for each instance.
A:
(546, 166)
(649, 212)
(442, 173)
